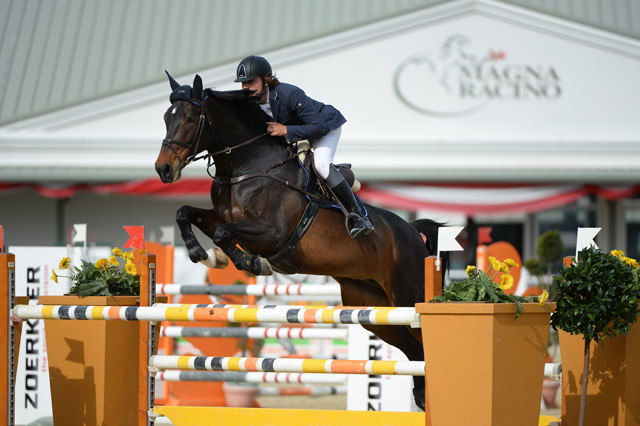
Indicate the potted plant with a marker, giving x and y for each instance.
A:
(93, 365)
(480, 345)
(116, 276)
(598, 299)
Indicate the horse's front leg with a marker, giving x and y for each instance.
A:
(255, 232)
(206, 221)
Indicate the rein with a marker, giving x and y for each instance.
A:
(238, 179)
(195, 140)
(227, 149)
(195, 144)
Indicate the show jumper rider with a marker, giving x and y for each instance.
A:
(297, 117)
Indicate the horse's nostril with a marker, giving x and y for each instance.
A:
(166, 169)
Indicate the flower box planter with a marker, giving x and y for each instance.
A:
(482, 364)
(613, 391)
(93, 365)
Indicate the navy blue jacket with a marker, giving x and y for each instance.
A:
(304, 117)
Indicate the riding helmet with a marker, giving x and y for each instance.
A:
(251, 67)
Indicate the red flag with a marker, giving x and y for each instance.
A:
(484, 235)
(136, 237)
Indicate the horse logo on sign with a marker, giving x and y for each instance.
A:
(455, 81)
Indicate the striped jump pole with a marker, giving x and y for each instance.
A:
(287, 365)
(251, 289)
(296, 365)
(231, 306)
(256, 332)
(251, 377)
(303, 391)
(292, 315)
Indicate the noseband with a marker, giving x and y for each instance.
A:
(195, 140)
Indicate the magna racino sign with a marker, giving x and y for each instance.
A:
(460, 79)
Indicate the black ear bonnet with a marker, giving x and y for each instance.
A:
(186, 93)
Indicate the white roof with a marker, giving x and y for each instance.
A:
(409, 116)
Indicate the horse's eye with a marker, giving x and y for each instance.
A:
(191, 119)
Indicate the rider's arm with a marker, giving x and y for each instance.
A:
(311, 114)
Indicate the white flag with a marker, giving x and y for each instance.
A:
(167, 235)
(79, 233)
(585, 238)
(447, 240)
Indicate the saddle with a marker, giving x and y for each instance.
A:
(305, 155)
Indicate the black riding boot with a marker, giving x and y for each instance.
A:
(360, 224)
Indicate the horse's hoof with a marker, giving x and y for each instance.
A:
(418, 397)
(197, 254)
(263, 266)
(216, 258)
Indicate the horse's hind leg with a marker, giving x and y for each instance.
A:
(206, 221)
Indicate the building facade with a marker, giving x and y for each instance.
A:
(514, 115)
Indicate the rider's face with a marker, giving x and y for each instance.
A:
(256, 85)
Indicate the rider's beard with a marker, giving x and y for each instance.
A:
(261, 95)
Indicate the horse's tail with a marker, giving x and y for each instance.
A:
(429, 228)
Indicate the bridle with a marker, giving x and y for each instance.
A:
(195, 144)
(195, 140)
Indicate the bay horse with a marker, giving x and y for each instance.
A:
(261, 192)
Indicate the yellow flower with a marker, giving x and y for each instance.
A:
(617, 253)
(114, 261)
(117, 251)
(470, 269)
(54, 276)
(512, 263)
(102, 263)
(127, 255)
(543, 297)
(503, 267)
(130, 268)
(495, 263)
(506, 282)
(64, 263)
(629, 261)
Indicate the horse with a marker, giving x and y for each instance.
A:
(261, 193)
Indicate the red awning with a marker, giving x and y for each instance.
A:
(454, 198)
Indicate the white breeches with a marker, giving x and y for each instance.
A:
(324, 149)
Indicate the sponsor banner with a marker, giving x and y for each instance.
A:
(34, 266)
(33, 279)
(372, 392)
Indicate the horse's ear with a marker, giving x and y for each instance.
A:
(197, 87)
(174, 84)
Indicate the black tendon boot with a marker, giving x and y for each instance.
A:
(360, 224)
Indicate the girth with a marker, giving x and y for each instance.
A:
(282, 261)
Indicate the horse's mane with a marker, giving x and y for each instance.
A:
(244, 106)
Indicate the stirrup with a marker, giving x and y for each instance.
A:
(356, 233)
